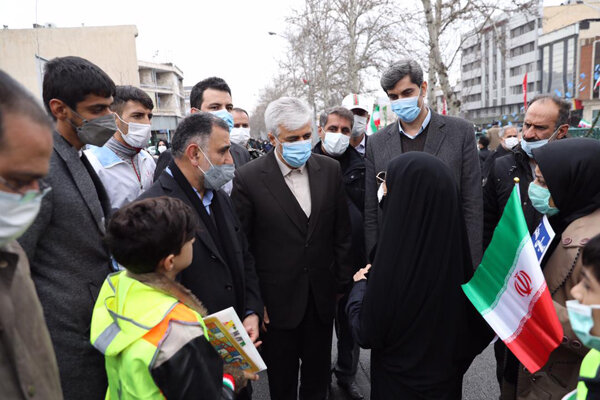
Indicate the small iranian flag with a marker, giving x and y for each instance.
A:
(509, 289)
(375, 119)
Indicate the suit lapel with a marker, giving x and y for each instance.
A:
(393, 146)
(435, 134)
(316, 193)
(275, 183)
(82, 179)
(171, 188)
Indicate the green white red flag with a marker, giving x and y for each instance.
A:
(375, 119)
(510, 292)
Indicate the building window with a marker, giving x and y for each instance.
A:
(523, 49)
(556, 68)
(517, 89)
(546, 68)
(520, 30)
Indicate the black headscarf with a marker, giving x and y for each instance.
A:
(571, 169)
(414, 311)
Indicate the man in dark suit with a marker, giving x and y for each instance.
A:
(211, 95)
(418, 128)
(64, 243)
(293, 209)
(335, 130)
(222, 272)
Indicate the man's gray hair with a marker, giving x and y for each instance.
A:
(506, 128)
(399, 70)
(340, 112)
(564, 107)
(289, 112)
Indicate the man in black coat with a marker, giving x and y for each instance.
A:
(294, 211)
(335, 127)
(222, 272)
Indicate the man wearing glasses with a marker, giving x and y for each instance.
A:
(28, 364)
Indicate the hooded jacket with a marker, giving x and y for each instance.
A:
(151, 333)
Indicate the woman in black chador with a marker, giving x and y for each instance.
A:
(411, 311)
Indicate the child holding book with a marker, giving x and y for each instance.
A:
(148, 326)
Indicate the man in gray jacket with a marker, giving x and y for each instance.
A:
(64, 244)
(419, 128)
(28, 366)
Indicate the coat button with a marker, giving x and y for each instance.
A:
(584, 241)
(566, 241)
(213, 256)
(305, 269)
(565, 339)
(31, 390)
(229, 287)
(3, 263)
(576, 344)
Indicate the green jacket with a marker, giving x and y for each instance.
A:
(151, 333)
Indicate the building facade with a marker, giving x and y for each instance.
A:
(493, 67)
(164, 84)
(525, 55)
(24, 52)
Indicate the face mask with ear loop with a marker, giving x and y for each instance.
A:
(217, 175)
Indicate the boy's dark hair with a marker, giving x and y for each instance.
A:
(590, 257)
(197, 94)
(126, 93)
(71, 79)
(144, 232)
(14, 98)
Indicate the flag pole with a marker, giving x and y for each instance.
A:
(517, 180)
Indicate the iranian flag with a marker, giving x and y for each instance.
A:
(375, 119)
(509, 289)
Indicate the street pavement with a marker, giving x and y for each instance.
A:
(479, 382)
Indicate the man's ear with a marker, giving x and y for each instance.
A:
(562, 131)
(194, 110)
(59, 109)
(191, 152)
(272, 139)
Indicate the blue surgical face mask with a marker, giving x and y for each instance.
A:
(540, 198)
(296, 153)
(528, 147)
(580, 317)
(225, 116)
(407, 109)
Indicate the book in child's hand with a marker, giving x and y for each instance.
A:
(228, 336)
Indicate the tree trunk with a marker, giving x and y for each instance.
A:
(433, 28)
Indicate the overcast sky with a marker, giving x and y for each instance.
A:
(203, 38)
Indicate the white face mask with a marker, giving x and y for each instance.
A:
(360, 126)
(335, 144)
(18, 213)
(137, 135)
(162, 149)
(511, 142)
(240, 136)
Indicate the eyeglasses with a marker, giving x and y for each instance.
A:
(380, 176)
(22, 188)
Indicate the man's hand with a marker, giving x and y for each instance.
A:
(360, 274)
(265, 320)
(251, 325)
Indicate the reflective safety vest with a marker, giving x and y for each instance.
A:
(138, 328)
(588, 372)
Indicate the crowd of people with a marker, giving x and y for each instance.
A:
(110, 259)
